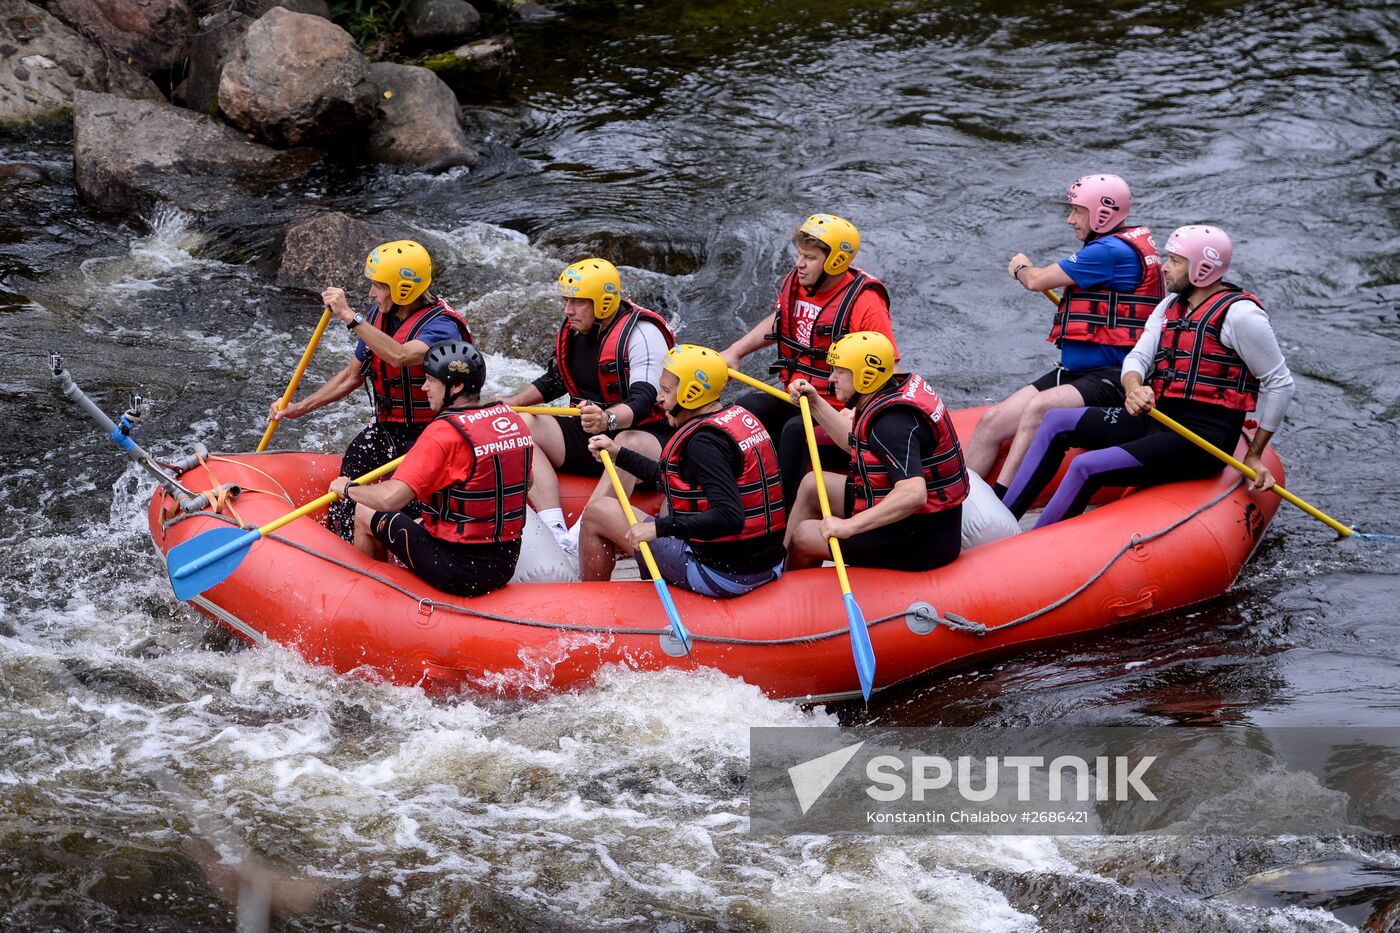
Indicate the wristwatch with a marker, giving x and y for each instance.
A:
(355, 321)
(612, 420)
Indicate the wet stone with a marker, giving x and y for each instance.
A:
(440, 20)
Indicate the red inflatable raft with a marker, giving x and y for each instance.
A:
(1146, 553)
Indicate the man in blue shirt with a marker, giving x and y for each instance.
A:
(404, 321)
(1110, 287)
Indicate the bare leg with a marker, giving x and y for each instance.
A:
(997, 425)
(603, 531)
(364, 538)
(1031, 416)
(549, 442)
(643, 443)
(805, 545)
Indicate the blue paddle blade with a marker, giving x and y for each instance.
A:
(676, 627)
(1376, 536)
(207, 560)
(861, 647)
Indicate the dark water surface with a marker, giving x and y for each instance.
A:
(684, 140)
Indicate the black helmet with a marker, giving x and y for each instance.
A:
(456, 363)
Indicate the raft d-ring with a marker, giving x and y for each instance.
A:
(921, 618)
(670, 644)
(425, 612)
(1138, 547)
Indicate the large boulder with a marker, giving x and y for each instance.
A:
(440, 21)
(326, 248)
(477, 69)
(43, 61)
(154, 34)
(130, 155)
(218, 34)
(296, 79)
(419, 123)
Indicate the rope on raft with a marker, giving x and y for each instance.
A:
(949, 620)
(959, 624)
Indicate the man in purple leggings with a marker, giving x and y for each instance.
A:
(1207, 356)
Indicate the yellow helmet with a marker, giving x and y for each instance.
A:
(702, 373)
(596, 279)
(840, 236)
(404, 266)
(866, 353)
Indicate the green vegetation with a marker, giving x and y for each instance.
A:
(375, 25)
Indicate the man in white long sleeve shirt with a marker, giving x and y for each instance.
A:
(607, 359)
(1207, 356)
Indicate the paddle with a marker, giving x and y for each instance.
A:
(661, 589)
(1217, 453)
(761, 386)
(544, 410)
(286, 398)
(1341, 530)
(208, 559)
(860, 634)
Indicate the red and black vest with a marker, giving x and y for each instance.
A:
(488, 506)
(1192, 363)
(614, 369)
(1108, 317)
(808, 359)
(397, 391)
(760, 483)
(945, 475)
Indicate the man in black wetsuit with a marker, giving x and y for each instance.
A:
(901, 505)
(722, 534)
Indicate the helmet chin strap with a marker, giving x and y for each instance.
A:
(821, 280)
(451, 398)
(675, 410)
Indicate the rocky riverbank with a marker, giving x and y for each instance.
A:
(207, 105)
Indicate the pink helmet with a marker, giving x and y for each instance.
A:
(1207, 252)
(1106, 198)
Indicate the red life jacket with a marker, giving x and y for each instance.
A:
(1192, 363)
(488, 505)
(760, 483)
(806, 357)
(945, 475)
(1109, 317)
(389, 385)
(614, 369)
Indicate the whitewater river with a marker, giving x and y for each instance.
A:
(138, 753)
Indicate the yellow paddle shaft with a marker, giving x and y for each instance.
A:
(544, 410)
(760, 386)
(327, 499)
(628, 513)
(1219, 454)
(286, 398)
(820, 477)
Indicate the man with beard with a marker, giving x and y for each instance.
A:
(1207, 356)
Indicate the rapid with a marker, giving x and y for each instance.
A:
(684, 140)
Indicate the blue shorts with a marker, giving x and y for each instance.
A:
(678, 566)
